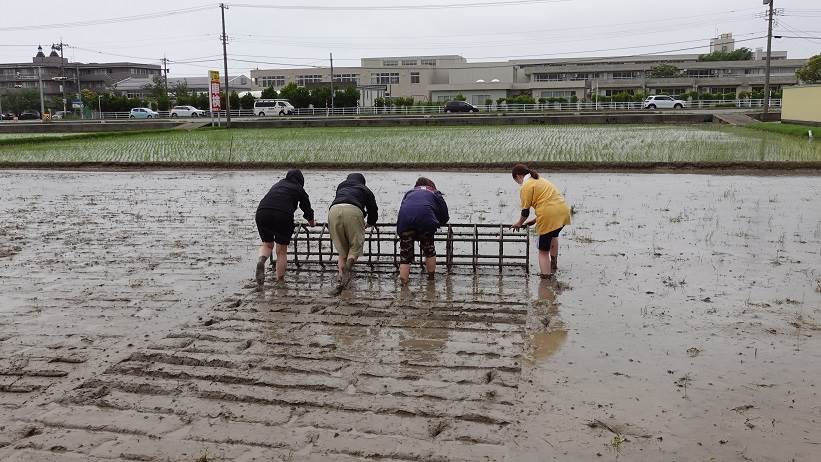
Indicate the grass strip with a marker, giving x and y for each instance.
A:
(784, 129)
(78, 136)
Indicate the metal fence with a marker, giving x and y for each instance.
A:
(494, 108)
(472, 246)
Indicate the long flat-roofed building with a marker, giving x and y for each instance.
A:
(441, 78)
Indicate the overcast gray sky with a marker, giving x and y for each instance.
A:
(270, 37)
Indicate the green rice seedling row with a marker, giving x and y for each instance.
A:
(404, 145)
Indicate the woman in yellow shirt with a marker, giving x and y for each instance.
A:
(552, 214)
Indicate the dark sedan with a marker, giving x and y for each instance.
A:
(460, 106)
(29, 115)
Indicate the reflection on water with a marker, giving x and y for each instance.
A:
(547, 333)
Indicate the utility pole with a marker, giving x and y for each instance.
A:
(82, 110)
(165, 74)
(769, 53)
(332, 82)
(224, 7)
(40, 79)
(62, 71)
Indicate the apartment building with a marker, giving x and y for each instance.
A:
(441, 78)
(54, 72)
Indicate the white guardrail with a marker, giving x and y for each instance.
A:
(503, 108)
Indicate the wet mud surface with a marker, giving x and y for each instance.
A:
(685, 324)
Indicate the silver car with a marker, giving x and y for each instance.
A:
(142, 113)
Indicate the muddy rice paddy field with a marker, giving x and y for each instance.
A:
(684, 324)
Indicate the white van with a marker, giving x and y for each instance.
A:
(271, 107)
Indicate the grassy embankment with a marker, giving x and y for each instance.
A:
(405, 146)
(785, 129)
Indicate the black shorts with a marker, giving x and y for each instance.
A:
(406, 245)
(274, 226)
(546, 239)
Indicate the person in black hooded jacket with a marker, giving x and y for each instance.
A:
(275, 221)
(353, 207)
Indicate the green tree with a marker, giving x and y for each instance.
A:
(488, 102)
(664, 71)
(347, 97)
(181, 93)
(321, 96)
(460, 97)
(89, 98)
(299, 97)
(247, 101)
(810, 72)
(742, 54)
(269, 93)
(18, 101)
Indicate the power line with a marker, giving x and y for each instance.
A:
(96, 22)
(557, 30)
(445, 6)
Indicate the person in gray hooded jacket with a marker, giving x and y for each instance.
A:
(353, 206)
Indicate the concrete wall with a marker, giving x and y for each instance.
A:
(802, 105)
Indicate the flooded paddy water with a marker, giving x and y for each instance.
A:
(684, 324)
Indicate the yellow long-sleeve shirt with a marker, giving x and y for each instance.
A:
(552, 211)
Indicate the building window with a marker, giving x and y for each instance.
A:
(275, 81)
(347, 78)
(390, 63)
(409, 62)
(558, 94)
(548, 77)
(385, 78)
(302, 80)
(701, 73)
(479, 100)
(581, 76)
(139, 71)
(616, 91)
(414, 77)
(428, 62)
(627, 75)
(672, 91)
(444, 98)
(718, 90)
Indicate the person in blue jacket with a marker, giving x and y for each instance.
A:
(422, 212)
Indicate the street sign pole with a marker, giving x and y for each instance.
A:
(214, 95)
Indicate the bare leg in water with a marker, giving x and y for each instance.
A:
(554, 255)
(282, 261)
(544, 263)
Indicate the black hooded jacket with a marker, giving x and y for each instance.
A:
(353, 191)
(286, 194)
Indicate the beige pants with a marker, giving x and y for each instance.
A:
(347, 225)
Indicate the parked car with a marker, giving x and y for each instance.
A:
(142, 113)
(29, 115)
(278, 107)
(663, 102)
(186, 111)
(460, 106)
(59, 115)
(7, 116)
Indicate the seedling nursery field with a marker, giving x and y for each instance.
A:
(407, 145)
